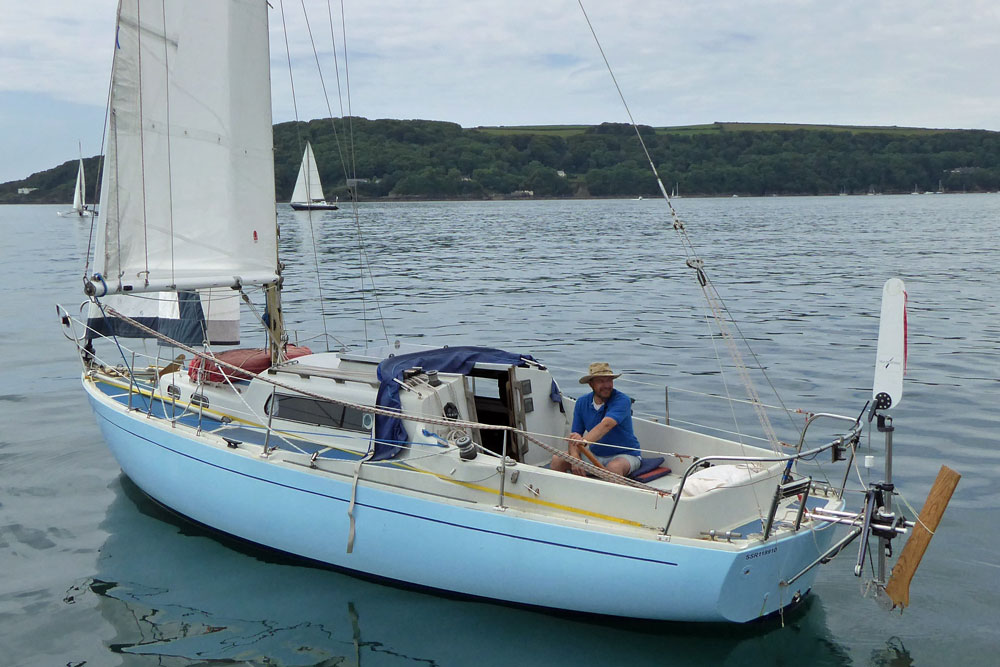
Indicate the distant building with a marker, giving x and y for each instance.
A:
(560, 173)
(353, 182)
(25, 191)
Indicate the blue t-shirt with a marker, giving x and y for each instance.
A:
(619, 408)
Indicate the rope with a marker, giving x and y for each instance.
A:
(736, 423)
(298, 138)
(916, 515)
(398, 414)
(350, 171)
(711, 295)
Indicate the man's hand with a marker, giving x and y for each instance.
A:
(576, 444)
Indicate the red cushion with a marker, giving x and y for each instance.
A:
(251, 360)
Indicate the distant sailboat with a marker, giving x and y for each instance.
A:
(308, 192)
(79, 195)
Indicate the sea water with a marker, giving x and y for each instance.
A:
(95, 573)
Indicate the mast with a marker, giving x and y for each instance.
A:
(275, 322)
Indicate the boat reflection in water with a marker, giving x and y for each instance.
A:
(209, 598)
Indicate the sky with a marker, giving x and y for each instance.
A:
(518, 62)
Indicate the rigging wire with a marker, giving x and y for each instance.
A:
(142, 142)
(100, 162)
(298, 137)
(723, 316)
(736, 421)
(166, 110)
(322, 83)
(337, 143)
(363, 249)
(349, 170)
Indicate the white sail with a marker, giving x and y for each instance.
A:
(307, 186)
(79, 193)
(187, 198)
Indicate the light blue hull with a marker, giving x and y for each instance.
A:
(472, 550)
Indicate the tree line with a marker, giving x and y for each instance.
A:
(434, 159)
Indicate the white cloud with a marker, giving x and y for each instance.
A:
(919, 63)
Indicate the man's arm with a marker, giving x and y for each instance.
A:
(595, 434)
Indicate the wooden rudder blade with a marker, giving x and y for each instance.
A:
(898, 588)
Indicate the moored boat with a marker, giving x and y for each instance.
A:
(428, 467)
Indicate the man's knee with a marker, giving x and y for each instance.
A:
(620, 466)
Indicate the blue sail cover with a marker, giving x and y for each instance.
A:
(389, 431)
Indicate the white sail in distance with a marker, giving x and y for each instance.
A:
(79, 194)
(308, 189)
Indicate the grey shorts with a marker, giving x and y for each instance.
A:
(633, 461)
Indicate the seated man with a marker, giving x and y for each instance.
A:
(602, 420)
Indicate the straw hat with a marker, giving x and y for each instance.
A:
(599, 369)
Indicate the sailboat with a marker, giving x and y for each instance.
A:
(427, 467)
(79, 195)
(308, 192)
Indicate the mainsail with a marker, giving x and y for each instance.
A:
(188, 194)
(308, 189)
(187, 197)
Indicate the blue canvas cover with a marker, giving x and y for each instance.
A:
(389, 431)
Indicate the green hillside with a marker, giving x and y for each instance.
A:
(434, 159)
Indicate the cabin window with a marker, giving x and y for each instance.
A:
(320, 413)
(173, 391)
(198, 399)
